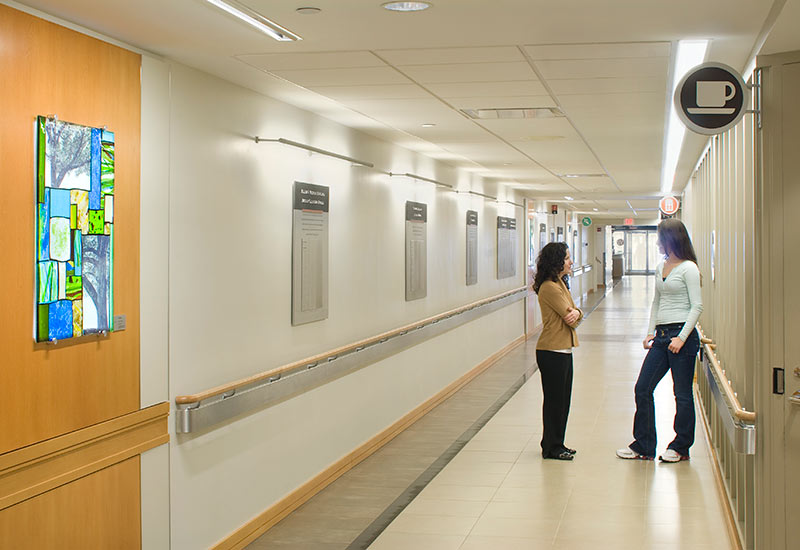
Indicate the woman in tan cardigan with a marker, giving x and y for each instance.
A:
(554, 348)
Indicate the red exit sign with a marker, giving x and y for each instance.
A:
(628, 221)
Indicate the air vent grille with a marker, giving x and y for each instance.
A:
(518, 113)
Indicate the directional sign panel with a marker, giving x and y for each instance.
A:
(711, 98)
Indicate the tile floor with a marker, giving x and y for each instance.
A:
(456, 480)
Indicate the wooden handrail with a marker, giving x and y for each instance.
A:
(225, 388)
(738, 410)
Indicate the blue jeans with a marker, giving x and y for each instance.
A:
(659, 360)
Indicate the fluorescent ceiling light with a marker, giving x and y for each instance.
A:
(255, 19)
(582, 175)
(406, 6)
(690, 53)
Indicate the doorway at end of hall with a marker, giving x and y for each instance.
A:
(638, 247)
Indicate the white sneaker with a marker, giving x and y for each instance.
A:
(671, 455)
(628, 454)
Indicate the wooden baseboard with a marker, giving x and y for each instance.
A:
(730, 517)
(275, 513)
(33, 470)
(536, 330)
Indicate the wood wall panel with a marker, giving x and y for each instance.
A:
(49, 390)
(99, 511)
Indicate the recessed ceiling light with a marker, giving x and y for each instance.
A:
(568, 198)
(506, 164)
(595, 209)
(308, 11)
(406, 6)
(428, 125)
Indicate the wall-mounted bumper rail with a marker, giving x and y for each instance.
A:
(739, 423)
(196, 412)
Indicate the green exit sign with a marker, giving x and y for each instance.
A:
(587, 221)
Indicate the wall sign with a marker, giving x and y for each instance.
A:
(309, 253)
(416, 250)
(506, 246)
(711, 98)
(586, 221)
(472, 247)
(669, 205)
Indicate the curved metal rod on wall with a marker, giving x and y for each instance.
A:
(210, 407)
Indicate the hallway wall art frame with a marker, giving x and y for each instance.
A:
(74, 230)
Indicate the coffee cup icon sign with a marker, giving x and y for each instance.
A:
(711, 97)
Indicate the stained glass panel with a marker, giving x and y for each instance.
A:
(96, 282)
(60, 322)
(74, 237)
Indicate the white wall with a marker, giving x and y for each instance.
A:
(154, 281)
(229, 280)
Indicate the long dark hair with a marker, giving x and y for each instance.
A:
(549, 264)
(675, 239)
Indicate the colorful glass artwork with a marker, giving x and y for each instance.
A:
(75, 230)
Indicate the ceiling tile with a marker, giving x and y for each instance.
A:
(599, 51)
(352, 77)
(451, 55)
(387, 91)
(597, 86)
(501, 102)
(603, 68)
(311, 60)
(488, 89)
(470, 72)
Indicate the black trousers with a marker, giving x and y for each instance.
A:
(556, 371)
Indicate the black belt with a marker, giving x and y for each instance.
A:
(662, 330)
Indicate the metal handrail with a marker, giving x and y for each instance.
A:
(738, 422)
(740, 412)
(216, 404)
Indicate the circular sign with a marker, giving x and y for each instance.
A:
(587, 221)
(711, 98)
(669, 205)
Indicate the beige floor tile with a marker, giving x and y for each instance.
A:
(441, 507)
(431, 524)
(477, 542)
(539, 529)
(407, 541)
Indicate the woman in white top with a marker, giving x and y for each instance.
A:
(673, 343)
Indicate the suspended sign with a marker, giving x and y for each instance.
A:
(711, 98)
(669, 205)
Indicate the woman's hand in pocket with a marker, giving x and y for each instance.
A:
(675, 345)
(648, 342)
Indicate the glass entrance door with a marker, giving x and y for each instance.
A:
(641, 252)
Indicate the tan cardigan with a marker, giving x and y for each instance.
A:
(554, 301)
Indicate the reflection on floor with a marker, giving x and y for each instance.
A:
(466, 478)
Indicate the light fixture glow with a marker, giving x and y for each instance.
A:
(568, 198)
(595, 209)
(256, 20)
(690, 53)
(406, 6)
(428, 125)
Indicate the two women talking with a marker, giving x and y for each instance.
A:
(672, 341)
